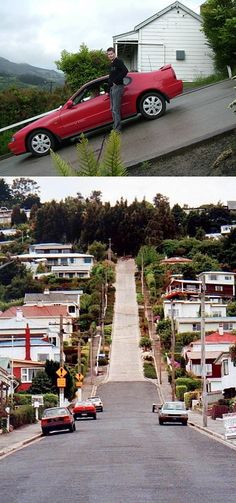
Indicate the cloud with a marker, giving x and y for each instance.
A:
(36, 32)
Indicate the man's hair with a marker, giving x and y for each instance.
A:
(111, 49)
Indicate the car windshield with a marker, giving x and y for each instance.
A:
(174, 406)
(55, 412)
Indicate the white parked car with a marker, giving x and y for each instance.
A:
(96, 400)
(173, 412)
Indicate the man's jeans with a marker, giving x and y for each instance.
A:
(115, 97)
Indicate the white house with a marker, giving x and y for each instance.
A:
(193, 324)
(57, 259)
(228, 374)
(42, 321)
(216, 344)
(191, 309)
(173, 36)
(70, 299)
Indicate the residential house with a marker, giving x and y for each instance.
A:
(227, 323)
(173, 35)
(191, 308)
(5, 378)
(228, 374)
(42, 320)
(68, 298)
(5, 216)
(218, 285)
(57, 259)
(215, 344)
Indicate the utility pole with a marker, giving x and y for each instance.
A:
(172, 351)
(102, 319)
(203, 354)
(109, 250)
(142, 274)
(61, 390)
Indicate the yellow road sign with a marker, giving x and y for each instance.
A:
(61, 372)
(80, 377)
(61, 382)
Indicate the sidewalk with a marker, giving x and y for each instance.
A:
(21, 436)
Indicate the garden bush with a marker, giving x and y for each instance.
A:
(180, 390)
(145, 343)
(22, 399)
(219, 410)
(24, 414)
(149, 370)
(189, 382)
(189, 397)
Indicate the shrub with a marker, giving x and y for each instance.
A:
(140, 298)
(149, 370)
(180, 390)
(190, 383)
(22, 399)
(219, 410)
(145, 343)
(189, 396)
(50, 400)
(102, 360)
(24, 414)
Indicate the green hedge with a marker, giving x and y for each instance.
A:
(190, 383)
(149, 370)
(25, 414)
(189, 396)
(180, 390)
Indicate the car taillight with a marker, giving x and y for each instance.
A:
(67, 419)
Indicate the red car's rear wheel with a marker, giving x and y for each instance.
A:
(152, 105)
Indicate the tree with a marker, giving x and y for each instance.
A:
(146, 255)
(18, 216)
(83, 66)
(220, 29)
(41, 383)
(98, 249)
(22, 188)
(5, 192)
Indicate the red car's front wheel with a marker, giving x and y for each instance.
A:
(40, 142)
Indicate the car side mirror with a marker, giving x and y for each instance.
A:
(69, 104)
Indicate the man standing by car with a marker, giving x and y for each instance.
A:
(118, 71)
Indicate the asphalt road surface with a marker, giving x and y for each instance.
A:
(189, 118)
(124, 456)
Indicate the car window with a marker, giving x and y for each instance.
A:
(91, 92)
(55, 412)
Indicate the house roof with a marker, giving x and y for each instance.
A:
(217, 338)
(168, 9)
(50, 297)
(35, 312)
(196, 355)
(176, 260)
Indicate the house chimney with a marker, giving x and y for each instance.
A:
(221, 330)
(19, 314)
(27, 343)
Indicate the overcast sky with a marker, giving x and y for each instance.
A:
(36, 32)
(192, 191)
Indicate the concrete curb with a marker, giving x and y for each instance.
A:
(19, 445)
(217, 436)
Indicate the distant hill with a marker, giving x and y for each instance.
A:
(24, 75)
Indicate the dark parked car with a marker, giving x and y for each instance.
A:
(57, 418)
(173, 412)
(89, 108)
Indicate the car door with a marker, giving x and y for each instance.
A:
(85, 114)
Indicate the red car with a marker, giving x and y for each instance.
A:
(84, 409)
(89, 108)
(57, 418)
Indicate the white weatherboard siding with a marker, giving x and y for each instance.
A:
(177, 30)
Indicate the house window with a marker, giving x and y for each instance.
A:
(213, 277)
(180, 55)
(227, 326)
(228, 278)
(71, 309)
(196, 327)
(209, 369)
(175, 313)
(208, 387)
(72, 260)
(196, 369)
(28, 374)
(225, 366)
(61, 275)
(216, 314)
(87, 260)
(218, 288)
(42, 357)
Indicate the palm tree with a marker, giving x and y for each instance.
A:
(110, 164)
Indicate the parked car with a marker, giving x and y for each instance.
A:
(57, 418)
(173, 412)
(96, 400)
(84, 409)
(145, 93)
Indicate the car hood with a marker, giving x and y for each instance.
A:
(42, 122)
